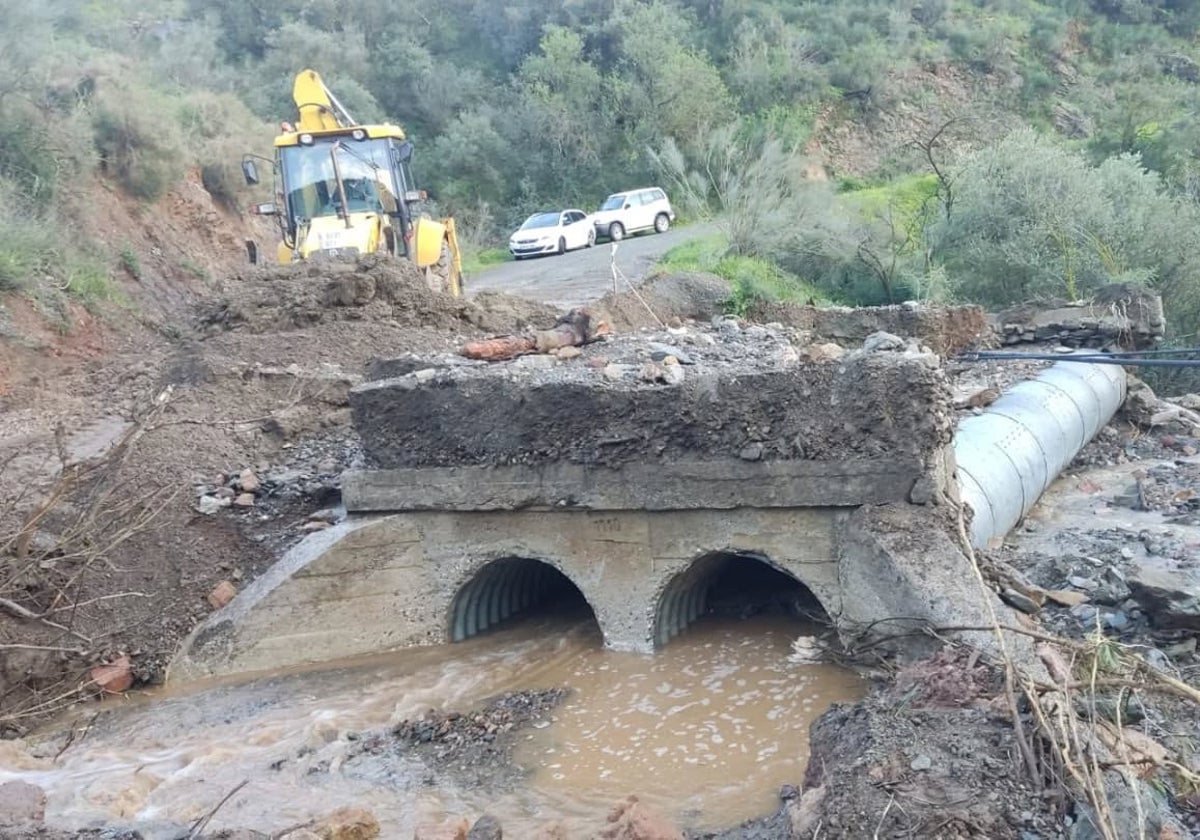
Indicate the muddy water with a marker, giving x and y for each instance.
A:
(707, 730)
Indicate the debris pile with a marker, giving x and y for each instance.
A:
(709, 390)
(1121, 315)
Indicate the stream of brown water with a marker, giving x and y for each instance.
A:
(706, 730)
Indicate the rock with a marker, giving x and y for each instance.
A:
(535, 361)
(348, 824)
(567, 353)
(1168, 593)
(673, 375)
(1116, 620)
(1181, 649)
(454, 829)
(248, 482)
(787, 356)
(751, 452)
(222, 594)
(729, 329)
(631, 820)
(652, 372)
(1086, 584)
(1019, 601)
(244, 500)
(881, 340)
(597, 362)
(318, 525)
(1066, 597)
(821, 353)
(225, 493)
(1086, 613)
(208, 505)
(804, 813)
(756, 332)
(21, 802)
(425, 375)
(486, 827)
(115, 677)
(980, 399)
(615, 372)
(924, 491)
(1143, 816)
(789, 792)
(329, 515)
(921, 762)
(659, 352)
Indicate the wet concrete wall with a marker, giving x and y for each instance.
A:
(382, 583)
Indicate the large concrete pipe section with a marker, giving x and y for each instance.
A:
(1008, 455)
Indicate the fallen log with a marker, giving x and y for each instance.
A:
(571, 330)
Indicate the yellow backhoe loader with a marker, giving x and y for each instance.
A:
(344, 189)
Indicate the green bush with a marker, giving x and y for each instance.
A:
(139, 144)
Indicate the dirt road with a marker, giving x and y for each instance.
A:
(577, 277)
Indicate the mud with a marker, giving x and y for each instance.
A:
(665, 299)
(211, 398)
(745, 395)
(931, 754)
(376, 288)
(475, 747)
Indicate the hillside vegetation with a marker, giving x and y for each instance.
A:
(872, 150)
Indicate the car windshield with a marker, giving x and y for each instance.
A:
(541, 220)
(309, 175)
(613, 202)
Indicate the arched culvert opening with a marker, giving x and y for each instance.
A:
(510, 588)
(732, 585)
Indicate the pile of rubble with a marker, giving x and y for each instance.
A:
(711, 390)
(1121, 315)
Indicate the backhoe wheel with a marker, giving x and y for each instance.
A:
(661, 223)
(562, 245)
(616, 231)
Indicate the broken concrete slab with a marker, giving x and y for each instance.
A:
(1168, 591)
(887, 406)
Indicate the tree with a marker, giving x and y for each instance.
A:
(1032, 218)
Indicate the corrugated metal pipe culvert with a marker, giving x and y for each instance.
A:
(1008, 455)
(503, 589)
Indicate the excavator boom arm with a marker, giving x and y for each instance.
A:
(319, 108)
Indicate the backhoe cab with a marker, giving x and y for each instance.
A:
(344, 189)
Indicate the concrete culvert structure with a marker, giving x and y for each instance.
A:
(731, 585)
(507, 589)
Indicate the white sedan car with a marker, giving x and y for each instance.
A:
(553, 232)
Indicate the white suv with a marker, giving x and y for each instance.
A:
(628, 212)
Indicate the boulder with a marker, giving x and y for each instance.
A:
(115, 677)
(486, 827)
(221, 595)
(1169, 593)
